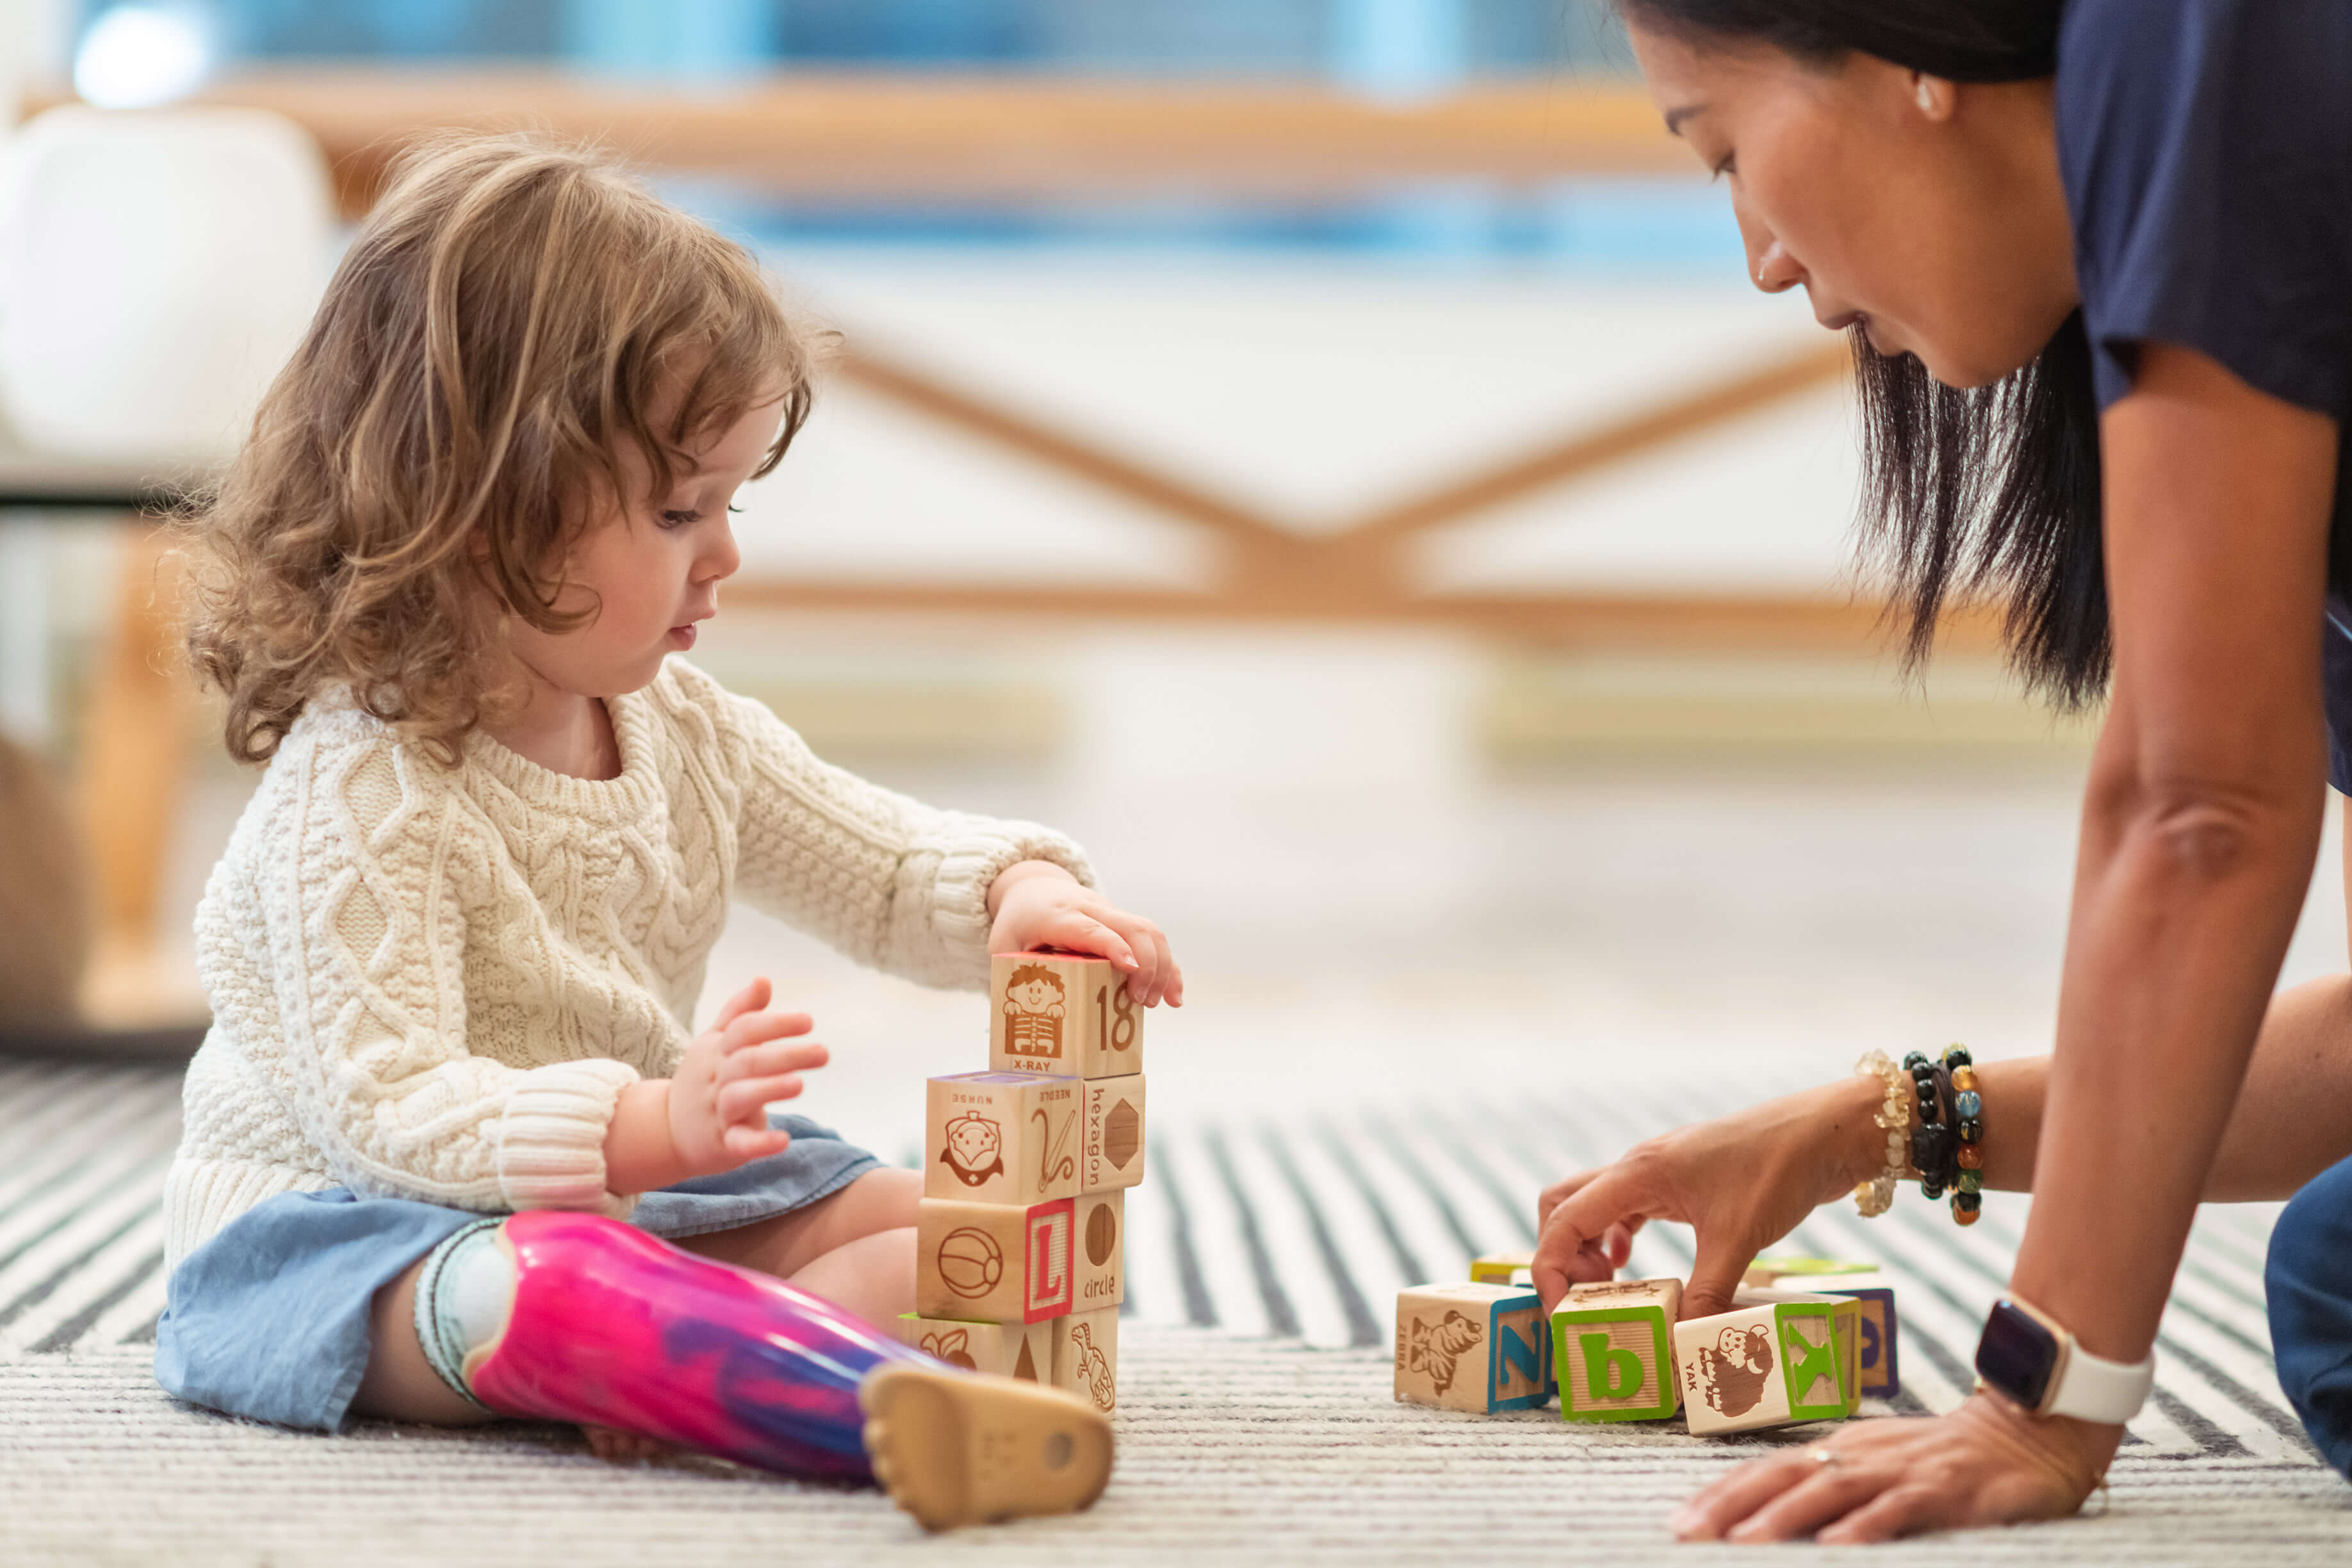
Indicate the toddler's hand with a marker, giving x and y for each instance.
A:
(718, 1097)
(1037, 904)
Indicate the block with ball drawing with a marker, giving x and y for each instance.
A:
(1001, 1137)
(997, 1262)
(1062, 1013)
(1478, 1348)
(1777, 1357)
(1612, 1351)
(1111, 1144)
(1086, 1356)
(1024, 1351)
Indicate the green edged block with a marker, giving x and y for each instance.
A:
(1776, 1358)
(1612, 1351)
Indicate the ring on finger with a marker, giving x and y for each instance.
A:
(1827, 1458)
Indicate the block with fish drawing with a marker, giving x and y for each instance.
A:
(1003, 1137)
(1612, 1351)
(1062, 1013)
(993, 1261)
(1877, 1353)
(1478, 1348)
(1086, 1356)
(1777, 1357)
(1024, 1351)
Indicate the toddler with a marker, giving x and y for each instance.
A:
(452, 1151)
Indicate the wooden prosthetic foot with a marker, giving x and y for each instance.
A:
(954, 1448)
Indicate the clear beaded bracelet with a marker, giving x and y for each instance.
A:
(1875, 1197)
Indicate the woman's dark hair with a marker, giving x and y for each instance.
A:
(1987, 489)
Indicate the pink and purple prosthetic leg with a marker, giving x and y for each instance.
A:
(611, 1327)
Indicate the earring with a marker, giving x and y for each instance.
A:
(1926, 96)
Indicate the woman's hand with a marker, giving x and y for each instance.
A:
(1741, 1182)
(712, 1115)
(1037, 904)
(1986, 1463)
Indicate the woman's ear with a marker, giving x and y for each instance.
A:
(1935, 95)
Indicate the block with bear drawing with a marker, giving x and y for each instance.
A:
(1086, 1356)
(1098, 1251)
(1478, 1348)
(1612, 1351)
(993, 1261)
(1777, 1357)
(1111, 1152)
(1061, 1013)
(1024, 1351)
(1001, 1137)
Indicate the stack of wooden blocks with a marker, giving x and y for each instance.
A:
(1022, 1239)
(1618, 1351)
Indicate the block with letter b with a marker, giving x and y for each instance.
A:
(1612, 1351)
(993, 1261)
(1478, 1348)
(1024, 1351)
(1062, 1013)
(1001, 1137)
(1777, 1357)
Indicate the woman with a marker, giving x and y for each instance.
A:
(2099, 260)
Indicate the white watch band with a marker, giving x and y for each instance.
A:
(2092, 1389)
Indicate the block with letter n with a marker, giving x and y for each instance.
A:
(1612, 1351)
(1478, 1348)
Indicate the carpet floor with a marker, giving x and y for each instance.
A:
(1256, 1415)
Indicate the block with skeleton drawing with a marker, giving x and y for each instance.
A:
(1062, 1013)
(1777, 1357)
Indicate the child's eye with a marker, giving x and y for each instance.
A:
(680, 519)
(1728, 166)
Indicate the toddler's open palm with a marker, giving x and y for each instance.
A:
(719, 1095)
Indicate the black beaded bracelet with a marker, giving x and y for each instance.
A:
(1934, 1137)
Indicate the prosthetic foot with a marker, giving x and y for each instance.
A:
(568, 1317)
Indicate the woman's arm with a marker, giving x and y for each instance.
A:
(2199, 829)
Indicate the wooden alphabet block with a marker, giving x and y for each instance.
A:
(1112, 1150)
(1062, 1013)
(1478, 1348)
(1612, 1351)
(1001, 1138)
(1503, 1268)
(1099, 1244)
(1777, 1357)
(1086, 1356)
(1876, 1352)
(1024, 1351)
(993, 1261)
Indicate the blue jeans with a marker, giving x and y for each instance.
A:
(2309, 1281)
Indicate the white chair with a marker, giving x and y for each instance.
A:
(157, 268)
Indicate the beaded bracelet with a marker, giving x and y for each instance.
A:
(1968, 1125)
(1875, 1197)
(1931, 1131)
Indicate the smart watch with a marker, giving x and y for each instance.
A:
(2029, 1358)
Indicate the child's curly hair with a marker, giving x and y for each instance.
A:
(512, 311)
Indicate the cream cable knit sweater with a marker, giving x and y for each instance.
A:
(433, 983)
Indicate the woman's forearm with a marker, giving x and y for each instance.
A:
(2293, 1117)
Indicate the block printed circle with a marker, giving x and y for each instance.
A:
(1102, 1235)
(1122, 1133)
(970, 1262)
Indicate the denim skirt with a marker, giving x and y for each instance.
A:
(269, 1318)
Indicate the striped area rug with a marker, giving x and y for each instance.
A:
(1297, 1231)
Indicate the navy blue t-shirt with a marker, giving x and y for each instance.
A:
(2205, 148)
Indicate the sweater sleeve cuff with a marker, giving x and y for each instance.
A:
(551, 1138)
(973, 853)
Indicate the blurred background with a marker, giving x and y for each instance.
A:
(1321, 453)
